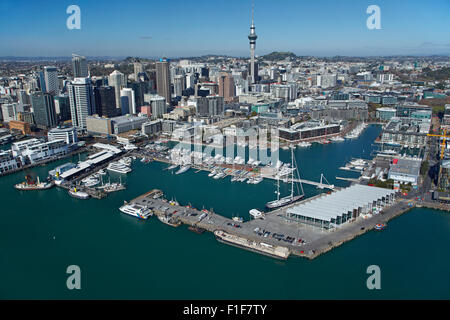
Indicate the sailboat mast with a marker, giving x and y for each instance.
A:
(278, 187)
(292, 168)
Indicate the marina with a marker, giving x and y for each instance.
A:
(258, 226)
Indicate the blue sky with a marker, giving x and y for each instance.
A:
(187, 28)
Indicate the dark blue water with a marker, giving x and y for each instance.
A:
(41, 233)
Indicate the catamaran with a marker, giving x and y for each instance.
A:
(281, 202)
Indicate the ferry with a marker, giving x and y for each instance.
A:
(29, 184)
(118, 167)
(136, 210)
(78, 194)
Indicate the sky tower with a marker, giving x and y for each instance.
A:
(252, 37)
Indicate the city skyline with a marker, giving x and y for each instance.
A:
(141, 29)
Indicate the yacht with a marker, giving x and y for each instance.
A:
(219, 175)
(136, 210)
(118, 167)
(183, 169)
(281, 202)
(337, 139)
(304, 144)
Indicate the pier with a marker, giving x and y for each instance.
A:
(273, 230)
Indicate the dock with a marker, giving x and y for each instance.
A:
(285, 238)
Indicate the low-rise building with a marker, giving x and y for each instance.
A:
(69, 135)
(7, 161)
(34, 150)
(405, 170)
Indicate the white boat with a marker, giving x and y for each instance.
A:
(173, 166)
(130, 147)
(219, 175)
(337, 139)
(90, 182)
(136, 210)
(78, 194)
(118, 167)
(304, 144)
(126, 161)
(183, 169)
(256, 214)
(102, 172)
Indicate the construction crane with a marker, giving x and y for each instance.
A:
(444, 136)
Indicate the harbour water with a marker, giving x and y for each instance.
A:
(43, 232)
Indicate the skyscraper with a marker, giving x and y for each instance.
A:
(252, 37)
(128, 101)
(79, 66)
(51, 80)
(105, 101)
(43, 109)
(82, 103)
(226, 86)
(62, 107)
(179, 85)
(163, 79)
(119, 81)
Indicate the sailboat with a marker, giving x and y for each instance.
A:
(281, 202)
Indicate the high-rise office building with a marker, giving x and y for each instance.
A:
(62, 107)
(41, 81)
(119, 81)
(105, 101)
(179, 85)
(158, 105)
(163, 79)
(43, 109)
(128, 101)
(82, 103)
(227, 89)
(79, 66)
(51, 80)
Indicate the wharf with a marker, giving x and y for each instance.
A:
(314, 241)
(43, 163)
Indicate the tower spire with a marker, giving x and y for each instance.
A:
(252, 37)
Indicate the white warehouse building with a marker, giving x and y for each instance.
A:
(332, 210)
